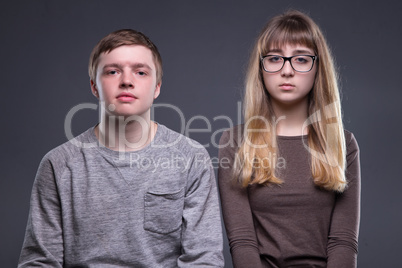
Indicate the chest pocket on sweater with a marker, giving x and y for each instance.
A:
(163, 211)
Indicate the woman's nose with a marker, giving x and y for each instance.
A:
(287, 69)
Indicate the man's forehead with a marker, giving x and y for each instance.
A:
(142, 48)
(128, 53)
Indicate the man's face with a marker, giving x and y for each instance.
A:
(126, 81)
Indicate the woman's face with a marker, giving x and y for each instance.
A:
(287, 86)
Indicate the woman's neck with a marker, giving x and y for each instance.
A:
(290, 118)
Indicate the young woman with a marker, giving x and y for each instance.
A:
(290, 176)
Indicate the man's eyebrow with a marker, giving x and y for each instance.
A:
(141, 65)
(134, 66)
(114, 65)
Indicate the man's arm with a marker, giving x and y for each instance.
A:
(201, 230)
(43, 243)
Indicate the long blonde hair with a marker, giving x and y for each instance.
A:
(326, 141)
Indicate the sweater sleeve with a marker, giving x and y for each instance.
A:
(344, 231)
(202, 242)
(236, 210)
(43, 243)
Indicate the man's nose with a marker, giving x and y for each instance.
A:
(126, 80)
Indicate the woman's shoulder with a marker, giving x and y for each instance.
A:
(232, 136)
(349, 137)
(352, 147)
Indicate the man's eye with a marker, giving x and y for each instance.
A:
(141, 73)
(111, 72)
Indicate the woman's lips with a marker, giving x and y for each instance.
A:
(286, 86)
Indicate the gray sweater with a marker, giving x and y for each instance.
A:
(94, 207)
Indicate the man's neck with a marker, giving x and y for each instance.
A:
(119, 135)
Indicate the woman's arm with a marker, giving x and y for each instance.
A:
(344, 231)
(236, 210)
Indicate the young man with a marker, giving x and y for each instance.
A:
(128, 192)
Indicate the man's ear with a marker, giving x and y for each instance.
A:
(94, 89)
(157, 89)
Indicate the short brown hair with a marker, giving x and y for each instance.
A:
(121, 38)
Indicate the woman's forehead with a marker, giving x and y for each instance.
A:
(294, 46)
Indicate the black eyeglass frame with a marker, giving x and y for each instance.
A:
(285, 59)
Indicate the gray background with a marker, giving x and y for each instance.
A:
(44, 52)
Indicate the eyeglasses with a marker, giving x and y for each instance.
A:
(299, 63)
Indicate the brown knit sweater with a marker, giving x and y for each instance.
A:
(295, 224)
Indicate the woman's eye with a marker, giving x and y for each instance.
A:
(301, 59)
(274, 59)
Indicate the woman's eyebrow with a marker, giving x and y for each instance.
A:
(302, 51)
(275, 50)
(297, 51)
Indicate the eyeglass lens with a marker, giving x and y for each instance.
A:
(273, 63)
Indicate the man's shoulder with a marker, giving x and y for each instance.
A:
(173, 140)
(70, 149)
